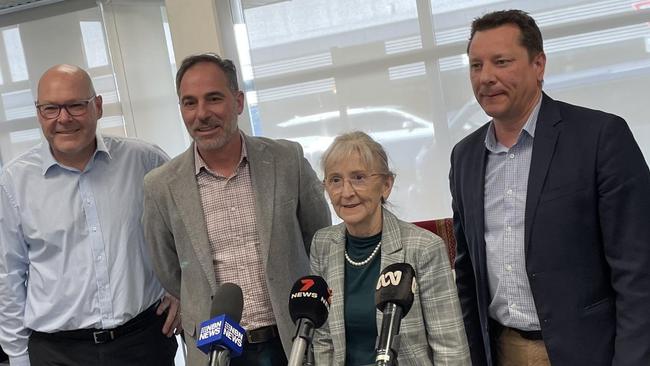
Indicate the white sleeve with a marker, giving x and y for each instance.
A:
(14, 263)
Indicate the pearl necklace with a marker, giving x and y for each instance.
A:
(365, 261)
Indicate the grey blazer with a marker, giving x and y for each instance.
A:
(432, 332)
(290, 207)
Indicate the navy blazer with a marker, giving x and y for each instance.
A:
(587, 238)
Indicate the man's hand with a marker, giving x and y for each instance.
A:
(172, 306)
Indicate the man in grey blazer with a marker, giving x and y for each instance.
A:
(232, 208)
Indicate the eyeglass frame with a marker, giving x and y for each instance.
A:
(353, 185)
(66, 105)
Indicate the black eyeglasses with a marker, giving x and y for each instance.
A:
(76, 108)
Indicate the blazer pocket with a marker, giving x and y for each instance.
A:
(563, 191)
(598, 306)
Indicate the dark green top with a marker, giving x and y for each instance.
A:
(360, 313)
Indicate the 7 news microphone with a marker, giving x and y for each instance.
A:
(309, 304)
(221, 337)
(394, 294)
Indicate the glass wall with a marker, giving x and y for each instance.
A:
(397, 69)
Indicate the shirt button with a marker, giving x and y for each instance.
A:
(94, 228)
(232, 209)
(511, 156)
(99, 258)
(508, 267)
(513, 306)
(509, 228)
(509, 191)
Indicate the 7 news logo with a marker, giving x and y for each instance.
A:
(307, 283)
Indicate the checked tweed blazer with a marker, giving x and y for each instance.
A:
(432, 332)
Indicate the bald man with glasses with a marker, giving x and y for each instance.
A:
(76, 285)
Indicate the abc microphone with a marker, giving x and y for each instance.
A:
(394, 297)
(308, 307)
(221, 337)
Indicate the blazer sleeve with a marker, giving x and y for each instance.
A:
(440, 307)
(465, 279)
(322, 343)
(623, 182)
(160, 239)
(313, 211)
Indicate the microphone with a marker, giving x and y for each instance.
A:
(221, 337)
(393, 297)
(309, 305)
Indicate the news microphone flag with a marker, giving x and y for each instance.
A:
(309, 304)
(221, 331)
(221, 337)
(310, 299)
(397, 285)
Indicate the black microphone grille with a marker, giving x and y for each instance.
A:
(228, 300)
(310, 298)
(397, 285)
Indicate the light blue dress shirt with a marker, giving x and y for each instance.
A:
(72, 251)
(506, 187)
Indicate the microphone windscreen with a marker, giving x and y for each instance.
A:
(397, 285)
(310, 299)
(228, 300)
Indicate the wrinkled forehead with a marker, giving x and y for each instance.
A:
(347, 159)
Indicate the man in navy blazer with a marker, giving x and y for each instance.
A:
(551, 205)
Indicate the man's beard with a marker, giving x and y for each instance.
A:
(229, 129)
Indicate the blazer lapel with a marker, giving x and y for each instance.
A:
(262, 167)
(475, 194)
(185, 193)
(543, 148)
(391, 249)
(336, 281)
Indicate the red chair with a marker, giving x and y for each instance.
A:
(444, 228)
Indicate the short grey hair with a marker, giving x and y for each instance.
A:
(371, 152)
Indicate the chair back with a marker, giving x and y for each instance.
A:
(444, 228)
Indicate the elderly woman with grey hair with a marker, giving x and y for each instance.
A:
(351, 255)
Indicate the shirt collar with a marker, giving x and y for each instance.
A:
(49, 160)
(199, 163)
(491, 142)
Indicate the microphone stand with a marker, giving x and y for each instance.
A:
(386, 352)
(220, 357)
(304, 335)
(309, 358)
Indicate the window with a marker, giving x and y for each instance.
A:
(397, 69)
(15, 54)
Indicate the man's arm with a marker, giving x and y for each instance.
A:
(14, 263)
(465, 281)
(162, 247)
(313, 211)
(624, 206)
